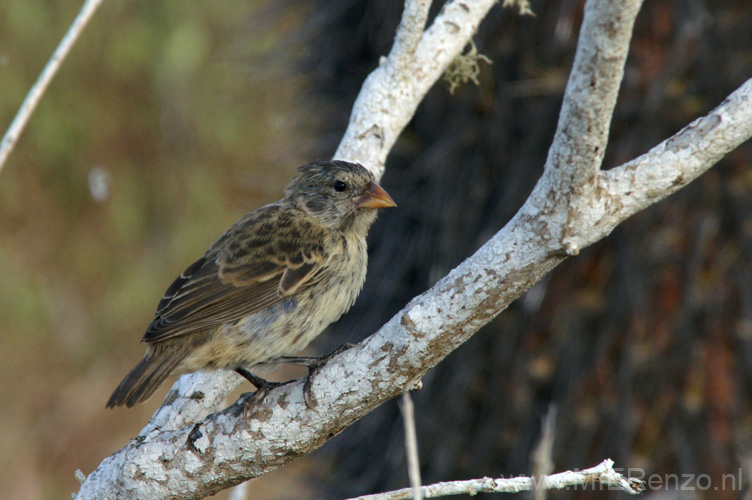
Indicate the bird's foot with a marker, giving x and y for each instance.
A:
(263, 387)
(313, 364)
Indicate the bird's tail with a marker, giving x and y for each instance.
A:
(144, 379)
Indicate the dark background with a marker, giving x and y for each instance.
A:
(195, 115)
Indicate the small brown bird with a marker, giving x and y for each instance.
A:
(269, 285)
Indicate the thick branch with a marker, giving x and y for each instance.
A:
(224, 449)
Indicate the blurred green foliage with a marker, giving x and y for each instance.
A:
(166, 123)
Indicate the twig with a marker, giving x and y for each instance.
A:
(602, 473)
(543, 463)
(572, 168)
(37, 90)
(409, 32)
(411, 445)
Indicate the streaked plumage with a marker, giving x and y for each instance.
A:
(269, 285)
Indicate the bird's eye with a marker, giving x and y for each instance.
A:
(339, 186)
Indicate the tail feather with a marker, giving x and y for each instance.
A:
(144, 379)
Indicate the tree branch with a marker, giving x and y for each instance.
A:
(576, 154)
(625, 190)
(603, 473)
(48, 73)
(568, 209)
(411, 445)
(677, 161)
(224, 450)
(581, 136)
(409, 33)
(392, 92)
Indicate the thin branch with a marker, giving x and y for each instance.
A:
(392, 92)
(576, 154)
(37, 90)
(625, 190)
(411, 445)
(602, 473)
(682, 158)
(542, 459)
(590, 95)
(409, 33)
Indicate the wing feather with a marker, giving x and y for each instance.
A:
(230, 282)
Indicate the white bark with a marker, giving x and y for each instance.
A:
(411, 445)
(48, 73)
(392, 92)
(573, 205)
(603, 473)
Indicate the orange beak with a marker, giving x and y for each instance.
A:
(375, 197)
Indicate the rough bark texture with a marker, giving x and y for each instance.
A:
(572, 206)
(640, 340)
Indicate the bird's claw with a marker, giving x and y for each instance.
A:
(313, 364)
(263, 387)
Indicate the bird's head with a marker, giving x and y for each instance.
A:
(338, 194)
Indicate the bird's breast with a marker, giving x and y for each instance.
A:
(343, 278)
(288, 326)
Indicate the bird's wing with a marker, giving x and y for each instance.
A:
(238, 281)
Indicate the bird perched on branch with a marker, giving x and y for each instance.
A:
(269, 285)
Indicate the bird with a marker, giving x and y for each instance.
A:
(268, 286)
